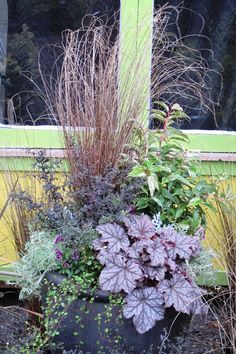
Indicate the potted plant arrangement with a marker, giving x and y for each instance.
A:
(112, 266)
(111, 243)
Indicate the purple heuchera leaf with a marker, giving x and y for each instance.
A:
(115, 236)
(176, 292)
(140, 227)
(138, 249)
(98, 245)
(157, 252)
(132, 209)
(171, 265)
(180, 293)
(197, 306)
(135, 250)
(195, 245)
(157, 273)
(119, 274)
(200, 233)
(145, 306)
(181, 245)
(103, 256)
(137, 255)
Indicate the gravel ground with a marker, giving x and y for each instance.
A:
(202, 337)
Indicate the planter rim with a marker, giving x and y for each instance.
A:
(57, 278)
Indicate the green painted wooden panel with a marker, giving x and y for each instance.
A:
(207, 168)
(53, 138)
(31, 137)
(212, 141)
(22, 164)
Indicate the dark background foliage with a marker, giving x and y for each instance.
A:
(33, 24)
(217, 21)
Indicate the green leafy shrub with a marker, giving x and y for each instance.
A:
(172, 184)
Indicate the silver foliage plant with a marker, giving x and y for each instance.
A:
(37, 259)
(148, 264)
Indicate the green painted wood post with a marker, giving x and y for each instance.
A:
(136, 25)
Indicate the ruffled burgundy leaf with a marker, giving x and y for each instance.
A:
(115, 237)
(157, 252)
(120, 274)
(140, 227)
(146, 307)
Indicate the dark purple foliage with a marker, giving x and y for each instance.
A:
(149, 266)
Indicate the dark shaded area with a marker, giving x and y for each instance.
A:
(32, 25)
(217, 22)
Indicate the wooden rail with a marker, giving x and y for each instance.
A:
(60, 153)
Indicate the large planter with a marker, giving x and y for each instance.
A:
(115, 336)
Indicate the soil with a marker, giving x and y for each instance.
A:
(12, 319)
(202, 337)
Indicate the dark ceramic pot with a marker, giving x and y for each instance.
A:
(89, 337)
